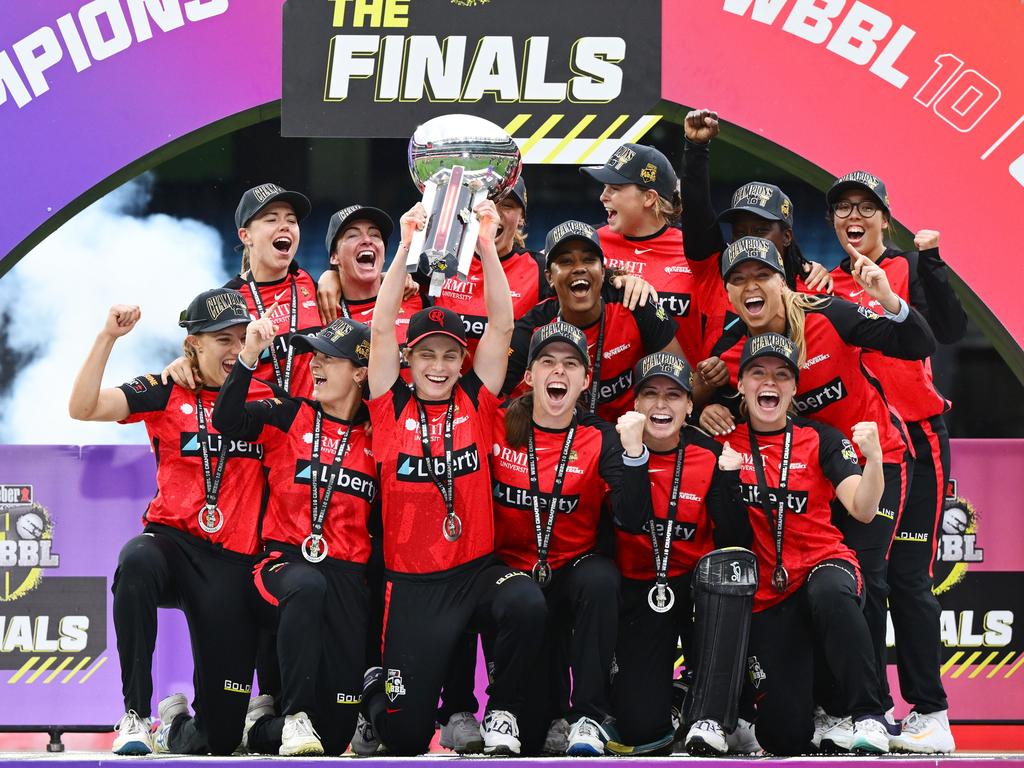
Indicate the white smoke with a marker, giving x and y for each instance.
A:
(58, 295)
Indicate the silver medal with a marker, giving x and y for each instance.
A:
(314, 548)
(451, 527)
(661, 598)
(780, 579)
(541, 572)
(211, 519)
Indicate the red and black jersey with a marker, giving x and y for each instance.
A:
(169, 413)
(308, 321)
(594, 470)
(285, 428)
(628, 336)
(525, 273)
(659, 260)
(413, 509)
(820, 459)
(834, 386)
(703, 500)
(908, 384)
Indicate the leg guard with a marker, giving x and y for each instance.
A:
(724, 583)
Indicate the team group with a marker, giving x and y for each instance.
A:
(589, 458)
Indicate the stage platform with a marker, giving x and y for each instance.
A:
(97, 759)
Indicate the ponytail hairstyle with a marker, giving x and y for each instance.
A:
(193, 360)
(796, 305)
(244, 268)
(518, 418)
(794, 262)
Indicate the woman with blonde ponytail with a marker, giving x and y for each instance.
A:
(835, 389)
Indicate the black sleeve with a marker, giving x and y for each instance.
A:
(657, 329)
(910, 340)
(519, 347)
(232, 415)
(934, 297)
(630, 485)
(702, 237)
(146, 393)
(836, 454)
(730, 521)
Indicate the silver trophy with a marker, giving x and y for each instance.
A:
(456, 161)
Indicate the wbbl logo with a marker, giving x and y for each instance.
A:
(26, 544)
(958, 541)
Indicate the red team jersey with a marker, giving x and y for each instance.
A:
(692, 531)
(834, 387)
(169, 413)
(285, 428)
(361, 310)
(628, 336)
(907, 384)
(412, 507)
(595, 465)
(820, 459)
(659, 260)
(308, 321)
(525, 273)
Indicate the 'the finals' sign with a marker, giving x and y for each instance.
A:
(582, 70)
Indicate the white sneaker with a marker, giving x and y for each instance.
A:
(461, 734)
(134, 735)
(557, 739)
(168, 709)
(586, 739)
(870, 735)
(500, 732)
(705, 737)
(259, 706)
(926, 734)
(364, 740)
(839, 737)
(823, 722)
(742, 741)
(298, 736)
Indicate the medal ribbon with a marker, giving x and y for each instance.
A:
(318, 508)
(544, 533)
(662, 552)
(211, 479)
(447, 488)
(762, 489)
(283, 379)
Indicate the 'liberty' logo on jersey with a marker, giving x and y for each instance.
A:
(421, 469)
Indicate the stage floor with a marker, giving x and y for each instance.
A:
(97, 759)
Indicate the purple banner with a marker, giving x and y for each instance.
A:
(88, 88)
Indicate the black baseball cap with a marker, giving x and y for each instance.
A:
(256, 199)
(570, 230)
(862, 180)
(343, 338)
(345, 216)
(215, 310)
(665, 364)
(752, 249)
(562, 331)
(518, 191)
(432, 320)
(770, 344)
(762, 199)
(637, 164)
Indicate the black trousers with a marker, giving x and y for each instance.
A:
(166, 568)
(825, 611)
(579, 640)
(871, 543)
(459, 693)
(645, 656)
(321, 611)
(915, 610)
(424, 620)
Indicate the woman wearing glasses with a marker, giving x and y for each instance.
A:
(858, 207)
